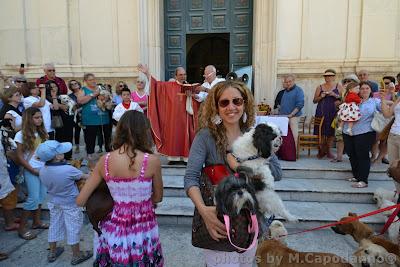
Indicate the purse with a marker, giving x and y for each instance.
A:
(384, 134)
(56, 122)
(379, 122)
(239, 236)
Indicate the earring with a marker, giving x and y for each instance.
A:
(216, 119)
(244, 117)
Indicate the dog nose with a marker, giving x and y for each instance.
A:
(365, 264)
(240, 193)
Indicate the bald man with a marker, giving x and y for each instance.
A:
(210, 79)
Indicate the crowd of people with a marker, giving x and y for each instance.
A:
(39, 125)
(351, 109)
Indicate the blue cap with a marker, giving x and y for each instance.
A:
(48, 150)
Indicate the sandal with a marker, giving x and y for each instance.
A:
(28, 235)
(53, 255)
(41, 226)
(336, 160)
(352, 179)
(359, 185)
(85, 255)
(3, 256)
(11, 228)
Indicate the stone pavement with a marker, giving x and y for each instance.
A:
(175, 241)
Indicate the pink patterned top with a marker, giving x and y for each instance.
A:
(130, 233)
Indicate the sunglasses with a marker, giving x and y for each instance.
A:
(121, 86)
(387, 83)
(139, 81)
(52, 70)
(21, 81)
(73, 83)
(225, 102)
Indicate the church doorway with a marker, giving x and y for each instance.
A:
(211, 24)
(206, 49)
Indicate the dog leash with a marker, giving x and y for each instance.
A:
(251, 229)
(352, 219)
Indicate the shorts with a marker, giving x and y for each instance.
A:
(10, 201)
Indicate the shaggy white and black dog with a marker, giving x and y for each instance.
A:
(253, 150)
(66, 100)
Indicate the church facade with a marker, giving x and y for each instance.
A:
(110, 37)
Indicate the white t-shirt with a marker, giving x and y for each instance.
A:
(203, 95)
(120, 110)
(34, 161)
(46, 113)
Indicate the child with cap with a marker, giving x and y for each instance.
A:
(65, 215)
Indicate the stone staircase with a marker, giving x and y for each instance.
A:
(316, 191)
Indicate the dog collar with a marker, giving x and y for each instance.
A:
(239, 160)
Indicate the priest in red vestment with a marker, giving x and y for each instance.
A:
(172, 112)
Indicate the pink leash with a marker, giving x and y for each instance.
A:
(251, 229)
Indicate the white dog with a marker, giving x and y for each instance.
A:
(372, 255)
(277, 231)
(66, 100)
(252, 150)
(381, 194)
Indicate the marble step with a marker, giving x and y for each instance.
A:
(324, 190)
(377, 174)
(179, 210)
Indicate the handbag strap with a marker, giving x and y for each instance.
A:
(251, 229)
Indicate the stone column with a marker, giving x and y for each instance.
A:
(151, 35)
(264, 56)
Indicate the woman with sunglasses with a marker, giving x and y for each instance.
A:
(117, 98)
(228, 111)
(140, 95)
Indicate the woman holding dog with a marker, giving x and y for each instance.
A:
(228, 111)
(359, 144)
(93, 118)
(64, 133)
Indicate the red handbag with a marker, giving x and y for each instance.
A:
(216, 173)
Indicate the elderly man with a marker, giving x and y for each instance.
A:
(210, 79)
(292, 103)
(50, 74)
(363, 75)
(172, 114)
(180, 75)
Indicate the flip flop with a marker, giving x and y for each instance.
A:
(359, 185)
(28, 235)
(3, 256)
(53, 255)
(41, 226)
(85, 255)
(352, 179)
(11, 228)
(336, 160)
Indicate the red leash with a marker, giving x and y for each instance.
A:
(352, 219)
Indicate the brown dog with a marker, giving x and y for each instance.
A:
(394, 171)
(271, 253)
(77, 163)
(360, 231)
(99, 204)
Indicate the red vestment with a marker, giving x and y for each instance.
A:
(173, 128)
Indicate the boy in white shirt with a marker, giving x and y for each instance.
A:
(127, 104)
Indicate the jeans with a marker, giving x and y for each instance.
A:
(36, 191)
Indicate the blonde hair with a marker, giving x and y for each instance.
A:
(210, 110)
